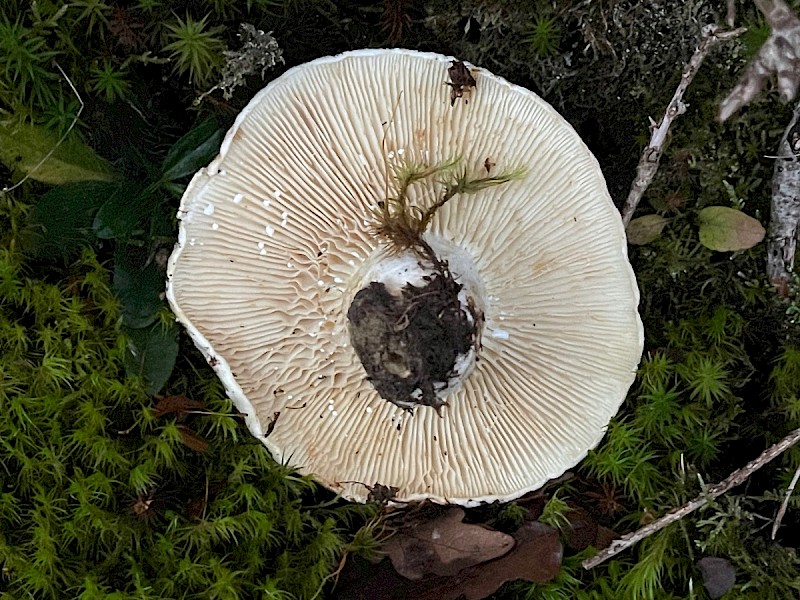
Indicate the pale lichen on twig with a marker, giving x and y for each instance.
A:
(785, 208)
(737, 477)
(259, 51)
(648, 163)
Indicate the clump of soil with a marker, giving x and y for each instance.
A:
(409, 344)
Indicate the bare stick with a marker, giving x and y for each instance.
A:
(785, 503)
(648, 163)
(778, 58)
(785, 209)
(712, 492)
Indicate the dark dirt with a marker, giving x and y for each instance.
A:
(412, 342)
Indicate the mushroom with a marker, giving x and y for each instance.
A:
(283, 255)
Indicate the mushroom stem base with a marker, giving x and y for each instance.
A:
(413, 344)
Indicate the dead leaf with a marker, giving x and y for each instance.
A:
(536, 558)
(643, 230)
(604, 537)
(582, 530)
(180, 405)
(726, 229)
(445, 546)
(192, 439)
(382, 494)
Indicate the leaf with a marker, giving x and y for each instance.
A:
(139, 285)
(644, 230)
(445, 546)
(582, 530)
(23, 147)
(61, 221)
(193, 151)
(725, 229)
(151, 355)
(719, 576)
(122, 212)
(536, 558)
(192, 439)
(180, 405)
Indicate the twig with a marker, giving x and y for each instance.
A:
(778, 58)
(785, 503)
(784, 221)
(648, 163)
(712, 492)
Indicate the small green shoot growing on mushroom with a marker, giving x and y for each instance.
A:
(401, 224)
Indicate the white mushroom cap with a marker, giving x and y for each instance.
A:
(275, 241)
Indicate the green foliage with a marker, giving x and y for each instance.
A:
(757, 33)
(110, 82)
(401, 224)
(35, 152)
(764, 570)
(555, 512)
(543, 36)
(92, 13)
(101, 499)
(194, 49)
(25, 72)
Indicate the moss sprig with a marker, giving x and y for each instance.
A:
(401, 224)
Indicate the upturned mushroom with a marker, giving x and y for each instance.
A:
(407, 285)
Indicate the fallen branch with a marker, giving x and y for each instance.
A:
(784, 221)
(712, 492)
(778, 58)
(785, 503)
(648, 163)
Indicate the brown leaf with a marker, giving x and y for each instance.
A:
(582, 531)
(536, 558)
(445, 546)
(180, 405)
(192, 439)
(604, 537)
(196, 505)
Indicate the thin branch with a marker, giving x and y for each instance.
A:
(778, 58)
(648, 163)
(785, 503)
(712, 492)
